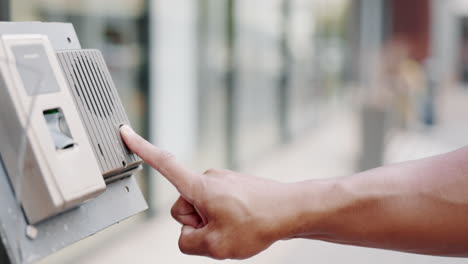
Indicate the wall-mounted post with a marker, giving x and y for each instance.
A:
(4, 16)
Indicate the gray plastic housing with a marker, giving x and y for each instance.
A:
(101, 110)
(48, 179)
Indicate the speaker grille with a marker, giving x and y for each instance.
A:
(103, 95)
(101, 110)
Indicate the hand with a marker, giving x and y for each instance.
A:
(223, 214)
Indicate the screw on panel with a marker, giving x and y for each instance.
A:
(31, 232)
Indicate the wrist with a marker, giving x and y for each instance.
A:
(311, 203)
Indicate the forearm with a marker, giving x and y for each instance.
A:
(419, 206)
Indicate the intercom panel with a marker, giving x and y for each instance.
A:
(61, 115)
(51, 132)
(47, 152)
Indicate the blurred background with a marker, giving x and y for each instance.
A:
(283, 89)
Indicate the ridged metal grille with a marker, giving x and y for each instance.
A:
(101, 110)
(103, 95)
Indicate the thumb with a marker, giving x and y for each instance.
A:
(193, 241)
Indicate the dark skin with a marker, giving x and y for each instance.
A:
(419, 207)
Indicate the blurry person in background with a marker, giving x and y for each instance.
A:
(406, 79)
(419, 207)
(399, 84)
(392, 99)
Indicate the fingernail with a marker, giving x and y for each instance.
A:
(187, 230)
(127, 131)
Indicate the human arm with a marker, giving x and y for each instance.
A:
(419, 206)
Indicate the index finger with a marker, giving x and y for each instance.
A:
(181, 177)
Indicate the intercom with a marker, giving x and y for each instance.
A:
(60, 115)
